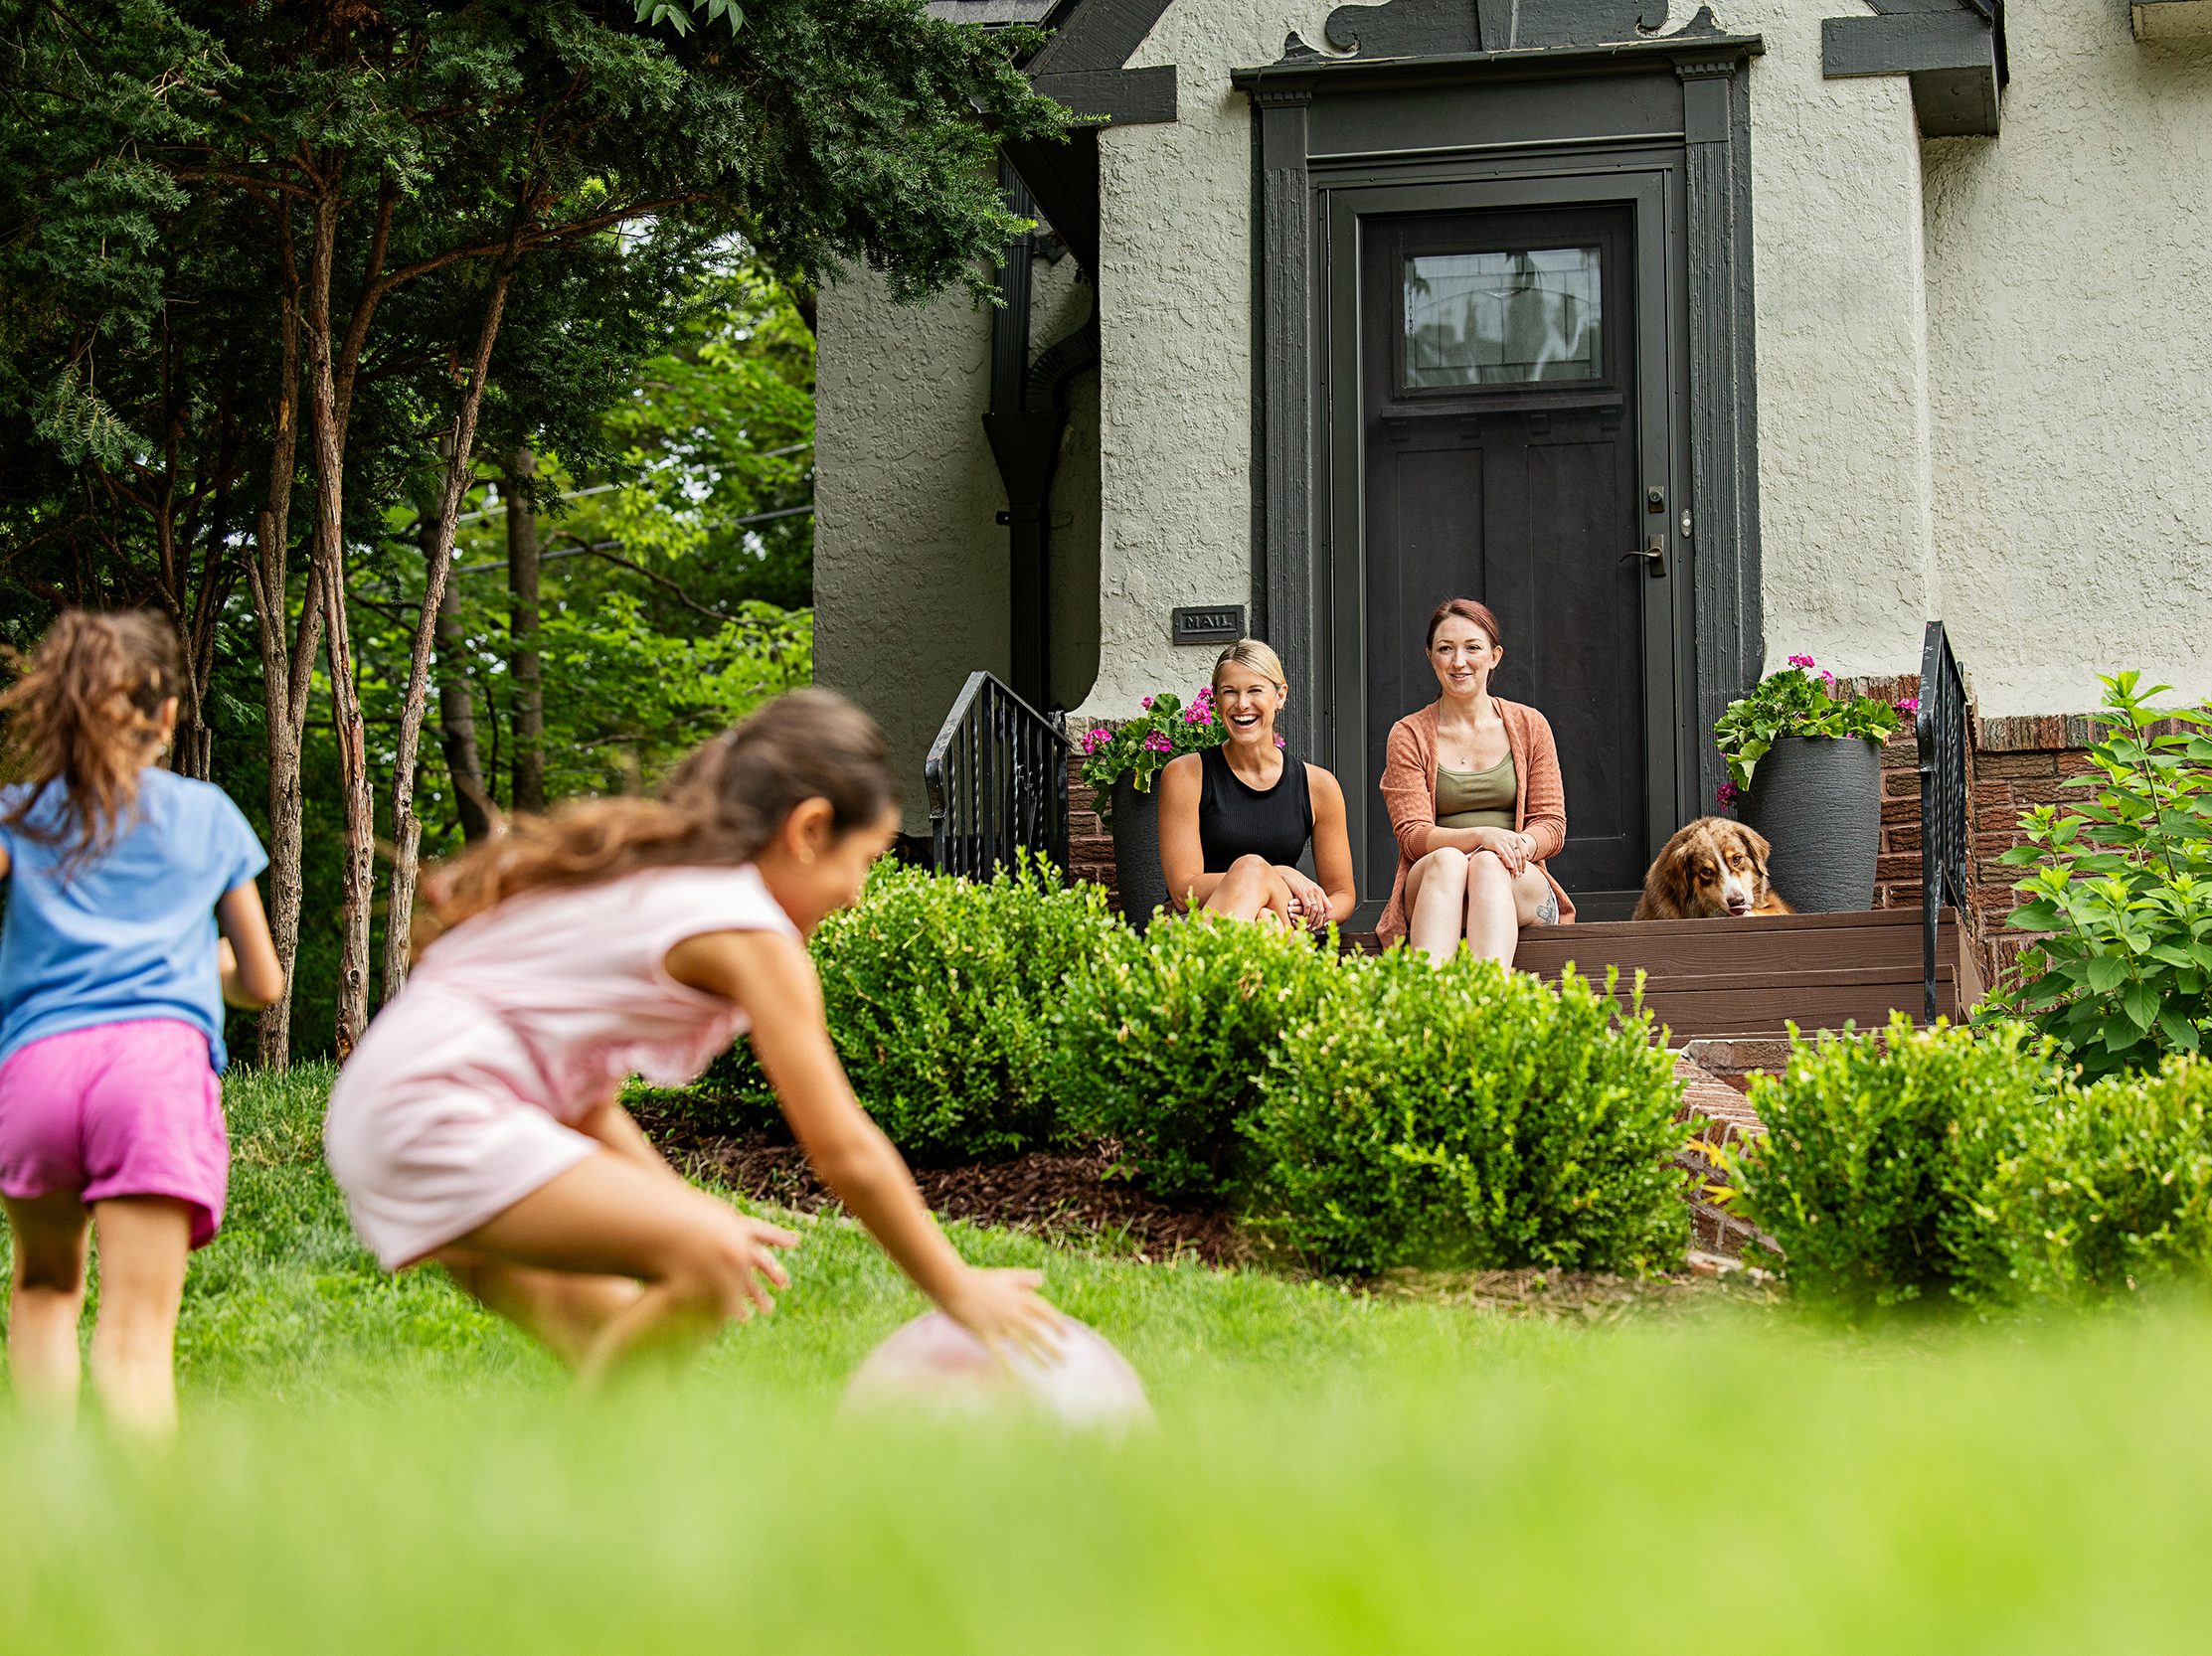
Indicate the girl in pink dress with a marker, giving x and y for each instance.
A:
(476, 1124)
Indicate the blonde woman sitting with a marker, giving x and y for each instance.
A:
(1235, 819)
(1473, 791)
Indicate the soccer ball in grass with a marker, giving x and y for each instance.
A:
(934, 1366)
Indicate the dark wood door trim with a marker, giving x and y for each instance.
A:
(1293, 472)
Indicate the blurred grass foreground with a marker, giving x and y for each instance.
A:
(370, 1464)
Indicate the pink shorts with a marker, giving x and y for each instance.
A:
(118, 1109)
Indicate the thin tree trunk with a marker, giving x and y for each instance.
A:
(328, 559)
(288, 660)
(525, 668)
(457, 714)
(406, 827)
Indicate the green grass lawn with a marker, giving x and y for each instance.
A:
(370, 1465)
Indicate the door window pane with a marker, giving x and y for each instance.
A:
(1487, 319)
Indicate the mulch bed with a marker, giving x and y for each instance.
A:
(1060, 1195)
(1068, 1196)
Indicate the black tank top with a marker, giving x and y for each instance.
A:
(1236, 820)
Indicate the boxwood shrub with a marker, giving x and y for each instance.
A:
(1164, 1038)
(1470, 1116)
(1872, 1175)
(2113, 1190)
(939, 994)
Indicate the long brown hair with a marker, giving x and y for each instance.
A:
(721, 806)
(86, 711)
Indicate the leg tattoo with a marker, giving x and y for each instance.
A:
(1547, 911)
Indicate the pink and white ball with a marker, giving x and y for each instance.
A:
(934, 1366)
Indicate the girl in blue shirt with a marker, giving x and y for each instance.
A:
(112, 976)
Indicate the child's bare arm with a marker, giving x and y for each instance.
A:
(617, 1129)
(771, 976)
(252, 976)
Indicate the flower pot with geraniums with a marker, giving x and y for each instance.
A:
(1805, 770)
(1120, 762)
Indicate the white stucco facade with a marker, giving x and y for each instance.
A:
(1984, 390)
(2070, 320)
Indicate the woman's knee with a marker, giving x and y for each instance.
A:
(1485, 868)
(1447, 860)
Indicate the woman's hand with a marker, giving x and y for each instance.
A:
(1310, 904)
(1004, 1310)
(1508, 847)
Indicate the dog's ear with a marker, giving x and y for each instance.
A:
(1755, 843)
(1673, 873)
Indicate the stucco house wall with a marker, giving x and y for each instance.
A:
(2070, 301)
(911, 590)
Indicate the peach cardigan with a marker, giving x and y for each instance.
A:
(1409, 791)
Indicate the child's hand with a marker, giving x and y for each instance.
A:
(762, 1271)
(1004, 1310)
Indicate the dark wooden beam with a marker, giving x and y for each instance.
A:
(1952, 55)
(1099, 34)
(1123, 96)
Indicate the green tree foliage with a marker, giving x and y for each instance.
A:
(263, 268)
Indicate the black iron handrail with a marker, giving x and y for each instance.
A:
(1944, 742)
(997, 781)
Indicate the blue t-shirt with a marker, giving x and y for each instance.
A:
(130, 931)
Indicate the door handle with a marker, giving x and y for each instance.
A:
(1654, 555)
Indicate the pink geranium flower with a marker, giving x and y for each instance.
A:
(1803, 661)
(1727, 794)
(1908, 704)
(1158, 741)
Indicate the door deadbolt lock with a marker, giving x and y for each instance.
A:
(1655, 499)
(1653, 554)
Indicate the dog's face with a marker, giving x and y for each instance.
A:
(1715, 867)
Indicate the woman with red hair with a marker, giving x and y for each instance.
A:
(1473, 791)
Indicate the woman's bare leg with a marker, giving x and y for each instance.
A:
(1436, 904)
(144, 1242)
(1493, 929)
(49, 1238)
(695, 1262)
(1244, 890)
(1500, 904)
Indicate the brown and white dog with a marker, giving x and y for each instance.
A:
(1711, 868)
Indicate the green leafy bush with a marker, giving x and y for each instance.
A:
(2123, 882)
(1165, 1039)
(2113, 1190)
(939, 994)
(1871, 1175)
(1470, 1116)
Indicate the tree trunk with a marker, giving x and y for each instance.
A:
(328, 559)
(524, 666)
(456, 711)
(406, 827)
(287, 659)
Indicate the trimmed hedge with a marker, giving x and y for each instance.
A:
(1971, 1166)
(2114, 1192)
(1164, 1040)
(1471, 1116)
(1876, 1154)
(939, 994)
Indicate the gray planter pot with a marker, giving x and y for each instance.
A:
(1137, 853)
(1819, 802)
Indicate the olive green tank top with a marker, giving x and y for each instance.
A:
(1478, 798)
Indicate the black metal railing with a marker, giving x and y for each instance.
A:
(1945, 743)
(997, 779)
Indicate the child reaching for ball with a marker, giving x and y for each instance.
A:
(478, 1125)
(112, 976)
